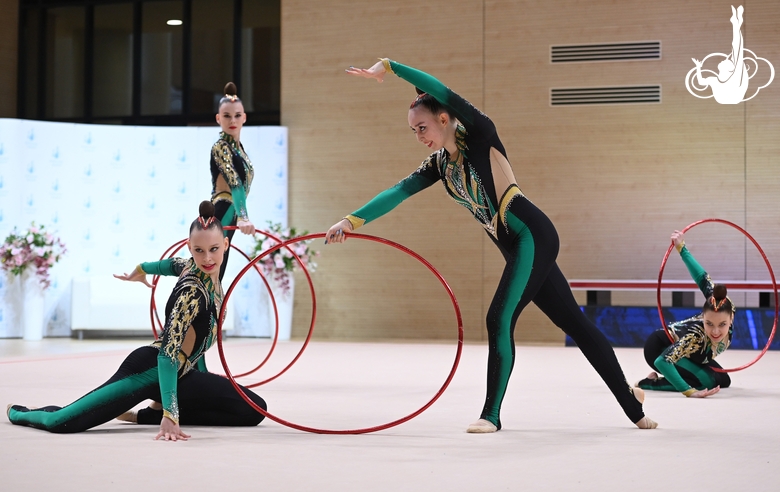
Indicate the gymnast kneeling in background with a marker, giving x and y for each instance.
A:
(687, 364)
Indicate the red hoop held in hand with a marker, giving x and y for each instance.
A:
(771, 274)
(352, 431)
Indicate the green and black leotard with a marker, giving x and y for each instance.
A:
(686, 365)
(230, 163)
(162, 371)
(523, 234)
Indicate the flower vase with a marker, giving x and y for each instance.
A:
(32, 307)
(284, 307)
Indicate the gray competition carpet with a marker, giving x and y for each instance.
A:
(562, 429)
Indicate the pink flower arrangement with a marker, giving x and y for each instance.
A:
(279, 265)
(33, 249)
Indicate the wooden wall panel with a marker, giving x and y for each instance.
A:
(762, 36)
(9, 40)
(349, 139)
(616, 180)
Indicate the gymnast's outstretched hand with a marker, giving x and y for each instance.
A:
(678, 238)
(705, 392)
(170, 431)
(136, 276)
(246, 226)
(336, 233)
(376, 72)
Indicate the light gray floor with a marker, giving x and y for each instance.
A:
(562, 428)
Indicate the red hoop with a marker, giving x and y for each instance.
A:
(177, 246)
(771, 274)
(353, 431)
(253, 263)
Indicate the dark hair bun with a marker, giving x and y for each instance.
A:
(206, 209)
(719, 292)
(230, 89)
(419, 91)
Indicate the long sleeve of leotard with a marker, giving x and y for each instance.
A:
(669, 371)
(222, 156)
(472, 118)
(698, 274)
(190, 300)
(384, 202)
(171, 267)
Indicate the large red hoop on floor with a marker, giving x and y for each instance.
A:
(367, 429)
(771, 274)
(179, 245)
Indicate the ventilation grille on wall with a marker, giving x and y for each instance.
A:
(630, 94)
(640, 50)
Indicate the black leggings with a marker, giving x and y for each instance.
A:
(204, 399)
(655, 345)
(529, 244)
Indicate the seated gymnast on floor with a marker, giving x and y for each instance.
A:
(164, 371)
(686, 365)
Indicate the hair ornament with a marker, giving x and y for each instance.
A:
(231, 97)
(717, 304)
(205, 223)
(417, 99)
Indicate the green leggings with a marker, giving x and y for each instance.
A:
(204, 399)
(530, 244)
(226, 213)
(696, 375)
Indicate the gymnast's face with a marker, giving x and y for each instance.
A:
(717, 324)
(430, 130)
(231, 118)
(208, 249)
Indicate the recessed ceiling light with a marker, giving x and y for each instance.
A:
(174, 22)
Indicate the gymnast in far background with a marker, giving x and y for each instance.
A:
(687, 364)
(231, 169)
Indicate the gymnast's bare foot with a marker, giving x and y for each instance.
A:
(646, 423)
(482, 426)
(652, 376)
(639, 394)
(130, 416)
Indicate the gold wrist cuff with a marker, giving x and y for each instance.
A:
(386, 63)
(689, 391)
(355, 222)
(680, 246)
(174, 418)
(140, 270)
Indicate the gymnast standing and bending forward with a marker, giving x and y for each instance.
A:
(163, 371)
(688, 364)
(470, 161)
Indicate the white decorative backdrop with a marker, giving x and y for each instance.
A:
(119, 195)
